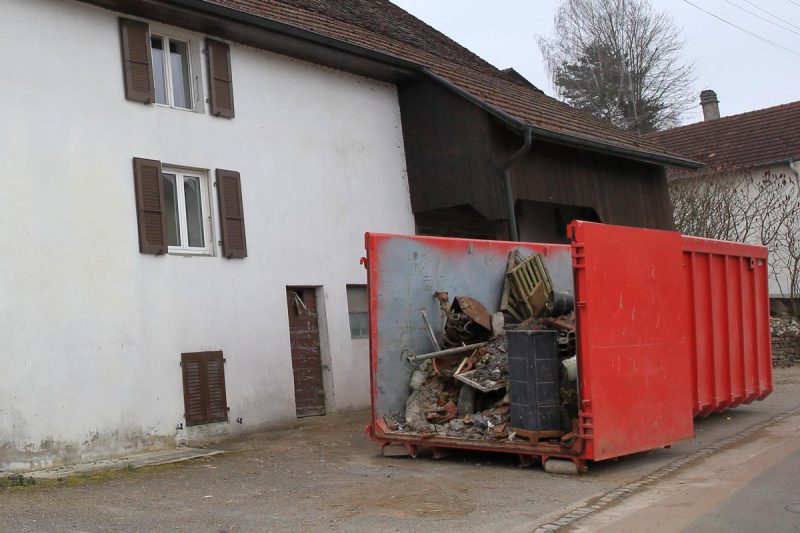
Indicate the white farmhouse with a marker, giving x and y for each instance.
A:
(186, 189)
(743, 151)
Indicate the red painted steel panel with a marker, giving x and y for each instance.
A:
(633, 338)
(668, 327)
(730, 350)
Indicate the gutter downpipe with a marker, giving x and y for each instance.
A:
(512, 218)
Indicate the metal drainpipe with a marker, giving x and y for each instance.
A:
(512, 219)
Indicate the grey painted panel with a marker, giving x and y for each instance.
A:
(410, 269)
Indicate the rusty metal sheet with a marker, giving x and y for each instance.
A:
(476, 311)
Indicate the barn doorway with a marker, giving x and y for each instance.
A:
(309, 391)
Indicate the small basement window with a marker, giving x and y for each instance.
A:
(172, 72)
(204, 395)
(357, 306)
(187, 211)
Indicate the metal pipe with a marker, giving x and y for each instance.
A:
(428, 327)
(512, 218)
(444, 353)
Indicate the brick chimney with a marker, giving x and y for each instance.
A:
(710, 104)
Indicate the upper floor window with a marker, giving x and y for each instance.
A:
(171, 72)
(164, 67)
(186, 211)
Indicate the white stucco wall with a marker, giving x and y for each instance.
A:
(779, 278)
(92, 330)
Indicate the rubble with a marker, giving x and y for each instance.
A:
(785, 340)
(461, 389)
(489, 366)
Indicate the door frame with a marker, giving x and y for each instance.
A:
(324, 341)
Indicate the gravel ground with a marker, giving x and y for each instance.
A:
(324, 474)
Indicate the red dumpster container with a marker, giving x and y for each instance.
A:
(654, 348)
(731, 353)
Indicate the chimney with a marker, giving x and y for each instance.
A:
(710, 104)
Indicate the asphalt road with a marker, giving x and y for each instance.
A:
(324, 474)
(770, 502)
(750, 484)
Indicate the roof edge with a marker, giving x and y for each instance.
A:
(287, 29)
(561, 138)
(629, 153)
(511, 121)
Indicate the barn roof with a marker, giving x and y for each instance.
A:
(382, 27)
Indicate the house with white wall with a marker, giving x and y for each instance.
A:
(186, 192)
(747, 151)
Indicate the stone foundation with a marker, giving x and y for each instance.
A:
(785, 340)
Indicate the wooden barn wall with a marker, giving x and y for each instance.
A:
(455, 152)
(447, 144)
(621, 191)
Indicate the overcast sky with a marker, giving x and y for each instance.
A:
(746, 72)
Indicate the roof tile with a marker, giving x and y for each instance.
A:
(383, 27)
(753, 138)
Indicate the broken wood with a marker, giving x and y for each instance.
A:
(535, 436)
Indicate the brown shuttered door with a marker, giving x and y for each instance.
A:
(220, 82)
(309, 392)
(150, 206)
(204, 388)
(136, 61)
(231, 214)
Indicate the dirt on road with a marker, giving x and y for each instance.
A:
(324, 474)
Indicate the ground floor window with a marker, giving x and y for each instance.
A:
(357, 306)
(187, 211)
(204, 394)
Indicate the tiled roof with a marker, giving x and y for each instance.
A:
(757, 137)
(381, 26)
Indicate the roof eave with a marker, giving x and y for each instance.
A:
(562, 138)
(223, 12)
(640, 155)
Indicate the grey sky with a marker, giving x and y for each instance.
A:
(746, 72)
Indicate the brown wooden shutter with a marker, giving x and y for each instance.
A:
(220, 82)
(194, 406)
(150, 206)
(215, 380)
(231, 214)
(136, 61)
(204, 395)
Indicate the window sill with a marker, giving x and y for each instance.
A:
(190, 253)
(165, 106)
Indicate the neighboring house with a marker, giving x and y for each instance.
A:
(187, 188)
(744, 148)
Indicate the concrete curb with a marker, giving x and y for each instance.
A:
(627, 489)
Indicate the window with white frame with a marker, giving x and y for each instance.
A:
(172, 74)
(187, 210)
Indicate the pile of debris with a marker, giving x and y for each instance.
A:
(462, 388)
(785, 340)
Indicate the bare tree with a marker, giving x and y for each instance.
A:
(734, 205)
(620, 61)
